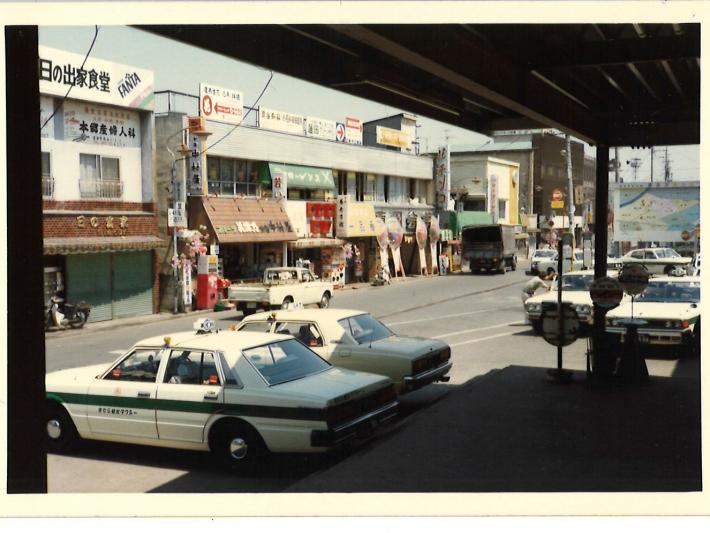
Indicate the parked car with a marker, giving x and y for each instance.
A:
(358, 341)
(612, 263)
(659, 261)
(540, 255)
(575, 292)
(671, 306)
(238, 395)
(282, 286)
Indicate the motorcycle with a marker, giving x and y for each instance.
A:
(382, 277)
(60, 315)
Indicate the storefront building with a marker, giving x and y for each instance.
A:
(329, 189)
(100, 227)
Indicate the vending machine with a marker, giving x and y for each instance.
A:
(207, 286)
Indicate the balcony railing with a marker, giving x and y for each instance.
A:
(47, 187)
(100, 189)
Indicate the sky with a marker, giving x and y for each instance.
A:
(180, 67)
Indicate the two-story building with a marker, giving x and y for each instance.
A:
(276, 194)
(100, 228)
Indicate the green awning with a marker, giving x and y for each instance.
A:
(298, 177)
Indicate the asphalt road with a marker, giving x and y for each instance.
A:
(479, 316)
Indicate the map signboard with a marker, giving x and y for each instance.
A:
(655, 212)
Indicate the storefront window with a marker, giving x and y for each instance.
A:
(99, 177)
(231, 177)
(380, 189)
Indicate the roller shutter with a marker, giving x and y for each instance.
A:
(132, 284)
(89, 279)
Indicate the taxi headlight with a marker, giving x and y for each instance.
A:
(533, 307)
(583, 309)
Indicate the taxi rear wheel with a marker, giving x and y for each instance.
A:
(237, 446)
(61, 432)
(324, 301)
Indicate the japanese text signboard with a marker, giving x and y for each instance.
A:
(272, 119)
(96, 81)
(220, 104)
(353, 130)
(98, 124)
(320, 128)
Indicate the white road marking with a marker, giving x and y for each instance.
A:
(117, 352)
(461, 332)
(481, 339)
(443, 316)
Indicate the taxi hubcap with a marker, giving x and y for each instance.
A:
(54, 429)
(238, 448)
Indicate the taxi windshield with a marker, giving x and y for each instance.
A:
(544, 253)
(365, 328)
(577, 283)
(284, 361)
(673, 291)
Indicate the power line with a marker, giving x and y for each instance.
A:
(96, 34)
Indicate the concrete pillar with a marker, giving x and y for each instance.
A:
(602, 360)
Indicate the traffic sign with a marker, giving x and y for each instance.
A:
(340, 132)
(177, 217)
(557, 204)
(551, 326)
(633, 277)
(606, 292)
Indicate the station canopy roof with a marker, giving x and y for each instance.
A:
(614, 84)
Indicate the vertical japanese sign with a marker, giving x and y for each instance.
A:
(97, 81)
(442, 167)
(493, 197)
(220, 104)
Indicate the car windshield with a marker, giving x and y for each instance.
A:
(577, 283)
(541, 254)
(284, 361)
(671, 291)
(365, 328)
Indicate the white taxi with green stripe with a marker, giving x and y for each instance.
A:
(238, 395)
(670, 306)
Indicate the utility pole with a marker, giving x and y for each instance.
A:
(616, 164)
(635, 164)
(651, 164)
(667, 176)
(570, 186)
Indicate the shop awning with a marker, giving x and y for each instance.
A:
(316, 243)
(300, 177)
(93, 245)
(247, 220)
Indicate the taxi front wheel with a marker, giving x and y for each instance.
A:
(61, 432)
(237, 446)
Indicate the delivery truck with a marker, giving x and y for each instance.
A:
(489, 247)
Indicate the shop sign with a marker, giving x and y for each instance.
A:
(103, 226)
(220, 104)
(98, 124)
(96, 81)
(272, 119)
(340, 132)
(301, 177)
(353, 130)
(253, 227)
(442, 173)
(421, 233)
(392, 137)
(355, 219)
(493, 197)
(319, 128)
(395, 233)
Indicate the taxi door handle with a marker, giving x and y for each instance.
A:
(143, 394)
(210, 396)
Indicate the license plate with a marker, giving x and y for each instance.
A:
(251, 305)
